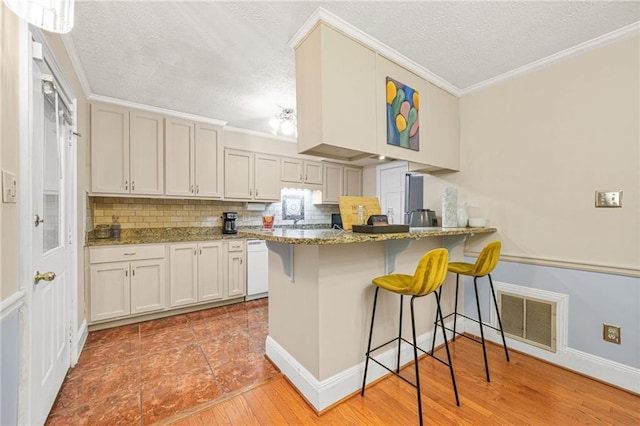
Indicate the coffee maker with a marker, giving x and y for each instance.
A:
(229, 225)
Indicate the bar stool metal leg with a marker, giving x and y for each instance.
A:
(455, 309)
(446, 345)
(495, 303)
(415, 361)
(400, 334)
(484, 348)
(373, 317)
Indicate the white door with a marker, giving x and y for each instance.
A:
(49, 312)
(391, 189)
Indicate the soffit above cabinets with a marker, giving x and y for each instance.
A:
(230, 60)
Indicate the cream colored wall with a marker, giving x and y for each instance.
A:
(256, 143)
(83, 162)
(9, 137)
(534, 149)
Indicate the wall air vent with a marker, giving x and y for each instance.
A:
(529, 320)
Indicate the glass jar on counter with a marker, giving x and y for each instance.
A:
(360, 215)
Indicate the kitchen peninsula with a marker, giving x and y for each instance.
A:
(320, 301)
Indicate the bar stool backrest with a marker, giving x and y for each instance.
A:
(488, 259)
(430, 272)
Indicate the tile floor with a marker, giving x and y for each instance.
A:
(141, 373)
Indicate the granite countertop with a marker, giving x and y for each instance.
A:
(174, 235)
(335, 236)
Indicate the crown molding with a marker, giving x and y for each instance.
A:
(576, 50)
(156, 110)
(67, 41)
(323, 15)
(260, 134)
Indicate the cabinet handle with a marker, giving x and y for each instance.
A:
(126, 273)
(191, 189)
(133, 272)
(194, 252)
(126, 185)
(241, 261)
(200, 251)
(129, 254)
(300, 177)
(197, 189)
(256, 192)
(305, 177)
(250, 192)
(133, 185)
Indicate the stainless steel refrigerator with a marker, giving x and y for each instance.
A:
(413, 193)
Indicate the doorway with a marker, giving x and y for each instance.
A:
(390, 186)
(48, 218)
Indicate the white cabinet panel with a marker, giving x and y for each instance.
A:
(238, 174)
(352, 182)
(267, 177)
(208, 161)
(146, 151)
(147, 285)
(184, 274)
(109, 149)
(180, 155)
(332, 186)
(210, 271)
(313, 172)
(110, 295)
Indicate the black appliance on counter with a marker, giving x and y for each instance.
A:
(229, 225)
(336, 221)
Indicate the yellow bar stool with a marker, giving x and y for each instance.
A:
(428, 277)
(484, 265)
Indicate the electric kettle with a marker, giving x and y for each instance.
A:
(422, 218)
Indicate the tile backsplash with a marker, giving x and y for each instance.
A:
(170, 213)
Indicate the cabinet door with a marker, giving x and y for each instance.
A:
(110, 295)
(313, 172)
(238, 174)
(332, 183)
(109, 149)
(210, 271)
(184, 274)
(147, 285)
(208, 161)
(291, 170)
(179, 146)
(236, 274)
(352, 182)
(146, 153)
(267, 177)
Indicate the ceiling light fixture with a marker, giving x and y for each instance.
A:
(51, 15)
(284, 123)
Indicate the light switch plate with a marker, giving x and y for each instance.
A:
(608, 198)
(9, 187)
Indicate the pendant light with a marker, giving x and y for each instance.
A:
(55, 16)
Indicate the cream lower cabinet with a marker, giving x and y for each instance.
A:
(236, 270)
(197, 272)
(126, 280)
(207, 271)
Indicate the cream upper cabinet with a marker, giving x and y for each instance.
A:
(312, 172)
(194, 159)
(336, 95)
(249, 176)
(340, 181)
(127, 151)
(291, 170)
(352, 181)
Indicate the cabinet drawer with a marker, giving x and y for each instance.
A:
(236, 246)
(124, 253)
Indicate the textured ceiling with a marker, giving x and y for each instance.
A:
(230, 60)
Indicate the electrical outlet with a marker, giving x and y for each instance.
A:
(9, 187)
(608, 198)
(611, 333)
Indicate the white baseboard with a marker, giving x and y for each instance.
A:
(80, 339)
(323, 394)
(602, 369)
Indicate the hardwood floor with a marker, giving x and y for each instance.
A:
(525, 391)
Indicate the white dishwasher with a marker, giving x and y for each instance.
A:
(257, 269)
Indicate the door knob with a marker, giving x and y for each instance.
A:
(47, 276)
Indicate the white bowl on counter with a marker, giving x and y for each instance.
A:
(478, 222)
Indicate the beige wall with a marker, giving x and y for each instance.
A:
(9, 136)
(534, 149)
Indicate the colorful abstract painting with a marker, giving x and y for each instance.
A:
(403, 124)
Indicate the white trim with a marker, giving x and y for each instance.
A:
(11, 305)
(261, 134)
(611, 372)
(323, 15)
(76, 63)
(79, 340)
(578, 49)
(322, 394)
(156, 110)
(565, 264)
